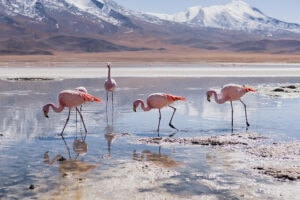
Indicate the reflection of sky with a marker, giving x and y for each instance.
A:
(22, 101)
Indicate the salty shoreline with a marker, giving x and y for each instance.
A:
(81, 70)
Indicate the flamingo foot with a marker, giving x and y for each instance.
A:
(157, 132)
(171, 125)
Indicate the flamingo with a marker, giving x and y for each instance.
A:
(70, 99)
(158, 101)
(231, 92)
(110, 85)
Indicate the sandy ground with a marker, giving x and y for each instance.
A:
(186, 56)
(76, 70)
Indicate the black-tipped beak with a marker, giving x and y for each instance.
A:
(134, 108)
(208, 98)
(46, 114)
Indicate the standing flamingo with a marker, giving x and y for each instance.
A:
(110, 85)
(231, 92)
(158, 101)
(70, 99)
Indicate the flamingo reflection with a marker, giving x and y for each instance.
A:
(71, 166)
(158, 159)
(110, 137)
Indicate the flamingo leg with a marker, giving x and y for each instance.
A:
(76, 120)
(106, 106)
(231, 115)
(112, 107)
(81, 119)
(245, 113)
(68, 149)
(170, 123)
(159, 118)
(112, 100)
(66, 122)
(76, 116)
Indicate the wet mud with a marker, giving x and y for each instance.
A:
(278, 160)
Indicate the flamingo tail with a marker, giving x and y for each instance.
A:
(89, 97)
(175, 98)
(248, 89)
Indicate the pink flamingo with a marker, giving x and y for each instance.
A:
(158, 101)
(231, 92)
(70, 99)
(110, 85)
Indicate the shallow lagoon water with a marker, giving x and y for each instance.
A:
(117, 165)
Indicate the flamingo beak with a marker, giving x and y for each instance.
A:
(134, 108)
(46, 114)
(208, 98)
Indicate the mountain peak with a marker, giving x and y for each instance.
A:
(236, 15)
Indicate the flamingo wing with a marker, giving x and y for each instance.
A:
(173, 98)
(89, 97)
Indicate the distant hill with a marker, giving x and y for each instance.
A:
(49, 26)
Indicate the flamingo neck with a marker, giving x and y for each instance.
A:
(56, 109)
(108, 74)
(217, 99)
(145, 108)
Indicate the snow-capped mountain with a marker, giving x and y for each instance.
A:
(47, 26)
(48, 10)
(237, 15)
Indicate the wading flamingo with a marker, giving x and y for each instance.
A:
(231, 92)
(158, 101)
(110, 85)
(70, 99)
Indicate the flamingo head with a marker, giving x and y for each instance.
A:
(46, 111)
(81, 89)
(208, 95)
(135, 105)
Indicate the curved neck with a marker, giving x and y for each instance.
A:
(139, 101)
(56, 109)
(218, 100)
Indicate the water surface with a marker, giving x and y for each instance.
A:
(115, 164)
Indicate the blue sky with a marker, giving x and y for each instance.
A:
(285, 10)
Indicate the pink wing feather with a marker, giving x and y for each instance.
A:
(248, 89)
(175, 98)
(89, 97)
